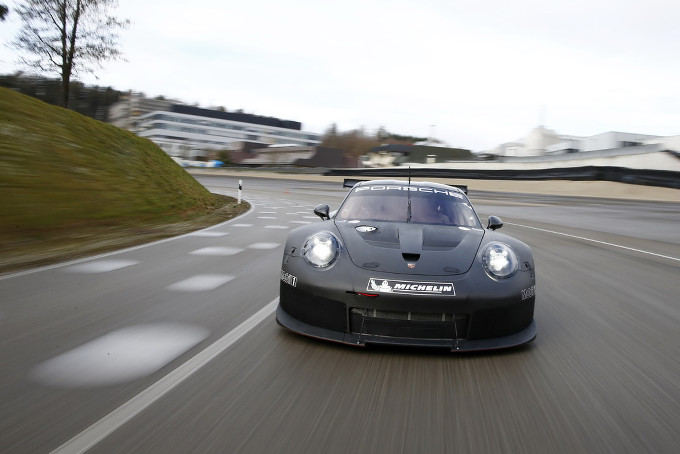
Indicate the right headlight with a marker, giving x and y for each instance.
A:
(321, 249)
(499, 260)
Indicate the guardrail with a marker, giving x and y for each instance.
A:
(660, 178)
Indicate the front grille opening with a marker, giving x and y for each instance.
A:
(420, 316)
(418, 325)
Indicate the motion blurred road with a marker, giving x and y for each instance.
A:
(173, 347)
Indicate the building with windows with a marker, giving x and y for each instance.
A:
(541, 149)
(542, 141)
(126, 112)
(189, 132)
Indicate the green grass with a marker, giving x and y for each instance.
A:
(73, 185)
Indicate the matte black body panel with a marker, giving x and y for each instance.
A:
(409, 284)
(439, 248)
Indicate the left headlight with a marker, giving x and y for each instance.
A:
(321, 249)
(499, 260)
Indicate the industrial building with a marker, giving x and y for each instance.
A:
(189, 132)
(542, 141)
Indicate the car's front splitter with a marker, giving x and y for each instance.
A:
(524, 336)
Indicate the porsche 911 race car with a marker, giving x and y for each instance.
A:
(407, 263)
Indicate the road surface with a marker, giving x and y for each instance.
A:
(173, 347)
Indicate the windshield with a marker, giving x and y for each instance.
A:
(390, 203)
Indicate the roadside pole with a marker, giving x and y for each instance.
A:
(240, 187)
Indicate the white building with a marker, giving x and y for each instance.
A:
(611, 140)
(542, 141)
(126, 112)
(188, 132)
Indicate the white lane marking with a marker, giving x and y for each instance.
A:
(275, 226)
(310, 217)
(266, 217)
(300, 222)
(597, 241)
(264, 245)
(100, 266)
(201, 283)
(209, 234)
(109, 423)
(241, 225)
(217, 251)
(120, 356)
(267, 212)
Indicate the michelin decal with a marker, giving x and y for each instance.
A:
(410, 287)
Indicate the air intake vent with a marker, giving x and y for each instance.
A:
(408, 324)
(411, 258)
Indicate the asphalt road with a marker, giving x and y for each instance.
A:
(173, 347)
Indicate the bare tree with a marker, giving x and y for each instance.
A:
(67, 37)
(354, 143)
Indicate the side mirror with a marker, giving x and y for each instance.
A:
(494, 223)
(322, 211)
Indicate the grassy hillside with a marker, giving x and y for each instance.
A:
(68, 179)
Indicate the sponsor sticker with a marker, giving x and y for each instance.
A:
(410, 287)
(528, 292)
(408, 188)
(289, 278)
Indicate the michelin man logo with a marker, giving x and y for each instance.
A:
(383, 287)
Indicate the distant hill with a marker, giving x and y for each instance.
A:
(64, 176)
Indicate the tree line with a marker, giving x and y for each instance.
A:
(358, 142)
(92, 101)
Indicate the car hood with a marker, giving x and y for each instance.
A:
(408, 248)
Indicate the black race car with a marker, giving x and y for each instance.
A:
(407, 263)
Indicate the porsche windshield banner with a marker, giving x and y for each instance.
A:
(410, 287)
(408, 188)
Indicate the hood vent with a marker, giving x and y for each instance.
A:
(417, 249)
(410, 258)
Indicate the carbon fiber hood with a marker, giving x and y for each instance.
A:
(408, 248)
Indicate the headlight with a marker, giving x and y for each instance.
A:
(499, 260)
(321, 249)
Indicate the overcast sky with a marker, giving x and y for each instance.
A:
(472, 73)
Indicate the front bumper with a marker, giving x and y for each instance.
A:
(523, 336)
(482, 315)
